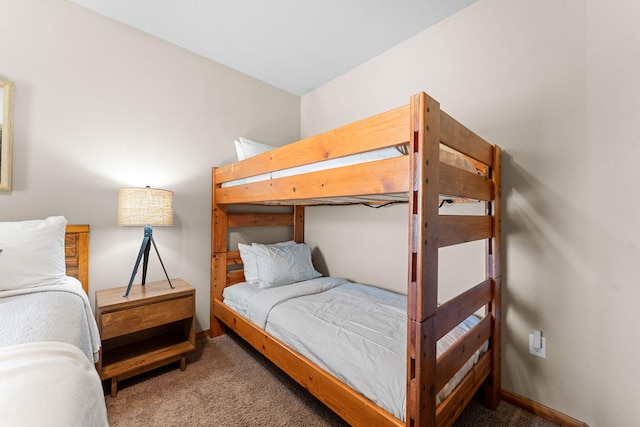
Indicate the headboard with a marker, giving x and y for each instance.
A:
(76, 253)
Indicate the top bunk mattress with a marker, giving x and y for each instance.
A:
(353, 331)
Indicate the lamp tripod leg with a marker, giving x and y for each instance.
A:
(145, 260)
(161, 263)
(144, 255)
(144, 250)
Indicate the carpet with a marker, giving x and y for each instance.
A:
(227, 383)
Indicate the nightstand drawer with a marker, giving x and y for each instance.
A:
(136, 319)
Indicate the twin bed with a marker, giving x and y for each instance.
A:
(49, 340)
(372, 356)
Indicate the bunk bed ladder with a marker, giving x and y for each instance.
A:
(222, 258)
(218, 257)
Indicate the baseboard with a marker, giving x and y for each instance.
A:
(202, 334)
(540, 410)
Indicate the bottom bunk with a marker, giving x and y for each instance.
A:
(346, 342)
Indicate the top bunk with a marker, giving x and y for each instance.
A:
(378, 160)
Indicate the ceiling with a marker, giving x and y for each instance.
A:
(295, 45)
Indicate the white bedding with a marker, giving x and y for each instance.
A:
(49, 384)
(349, 329)
(56, 312)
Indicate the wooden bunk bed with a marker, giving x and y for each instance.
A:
(419, 178)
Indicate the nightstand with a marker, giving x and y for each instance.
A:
(153, 326)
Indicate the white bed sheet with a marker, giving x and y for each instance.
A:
(57, 312)
(49, 384)
(348, 329)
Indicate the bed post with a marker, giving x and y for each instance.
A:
(492, 384)
(423, 261)
(218, 256)
(298, 224)
(76, 253)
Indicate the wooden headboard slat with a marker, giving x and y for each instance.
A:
(76, 253)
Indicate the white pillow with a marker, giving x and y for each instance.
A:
(246, 148)
(283, 265)
(32, 252)
(249, 260)
(239, 152)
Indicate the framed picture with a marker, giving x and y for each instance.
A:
(6, 134)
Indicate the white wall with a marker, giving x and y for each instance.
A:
(99, 106)
(555, 83)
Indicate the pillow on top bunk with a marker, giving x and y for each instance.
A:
(283, 265)
(246, 148)
(32, 252)
(249, 260)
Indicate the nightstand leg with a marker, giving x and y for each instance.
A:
(183, 362)
(114, 386)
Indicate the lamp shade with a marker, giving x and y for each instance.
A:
(145, 206)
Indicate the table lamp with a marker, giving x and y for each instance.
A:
(145, 207)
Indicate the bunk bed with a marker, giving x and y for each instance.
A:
(49, 341)
(421, 178)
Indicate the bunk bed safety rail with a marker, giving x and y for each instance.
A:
(388, 129)
(458, 137)
(389, 176)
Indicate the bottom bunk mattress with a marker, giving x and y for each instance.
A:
(357, 333)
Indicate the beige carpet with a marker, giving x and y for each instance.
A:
(227, 383)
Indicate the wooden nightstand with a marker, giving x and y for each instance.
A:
(153, 326)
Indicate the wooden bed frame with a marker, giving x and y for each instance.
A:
(76, 253)
(423, 126)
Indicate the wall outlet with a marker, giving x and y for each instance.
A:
(537, 344)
